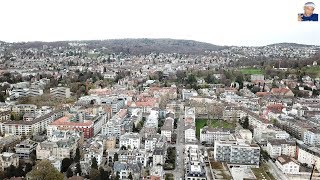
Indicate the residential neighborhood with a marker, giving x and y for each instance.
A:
(83, 112)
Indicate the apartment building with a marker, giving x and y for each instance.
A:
(194, 165)
(24, 108)
(210, 135)
(312, 137)
(190, 133)
(95, 150)
(36, 126)
(288, 165)
(158, 156)
(113, 127)
(63, 148)
(237, 151)
(60, 92)
(133, 156)
(167, 128)
(308, 155)
(278, 147)
(25, 148)
(72, 123)
(130, 140)
(155, 141)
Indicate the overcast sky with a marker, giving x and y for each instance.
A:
(221, 22)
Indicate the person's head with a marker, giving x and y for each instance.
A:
(309, 8)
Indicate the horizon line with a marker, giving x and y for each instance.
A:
(140, 38)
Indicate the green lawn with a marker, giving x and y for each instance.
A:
(169, 176)
(200, 123)
(313, 71)
(251, 71)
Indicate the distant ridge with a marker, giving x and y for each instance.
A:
(142, 45)
(290, 44)
(135, 46)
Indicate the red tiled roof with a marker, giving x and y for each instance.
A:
(64, 121)
(261, 94)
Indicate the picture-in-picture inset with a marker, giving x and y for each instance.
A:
(308, 14)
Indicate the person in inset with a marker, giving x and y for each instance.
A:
(308, 14)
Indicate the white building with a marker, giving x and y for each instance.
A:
(190, 133)
(312, 137)
(152, 119)
(60, 92)
(154, 141)
(24, 92)
(25, 148)
(113, 127)
(246, 134)
(158, 156)
(33, 127)
(210, 135)
(309, 155)
(99, 121)
(188, 93)
(135, 156)
(257, 77)
(278, 147)
(264, 134)
(288, 165)
(95, 150)
(130, 140)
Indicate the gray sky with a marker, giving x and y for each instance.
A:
(221, 22)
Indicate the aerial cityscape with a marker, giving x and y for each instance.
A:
(159, 109)
(159, 90)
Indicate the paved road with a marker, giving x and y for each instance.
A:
(275, 171)
(179, 171)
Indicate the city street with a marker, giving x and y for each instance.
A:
(275, 171)
(178, 172)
